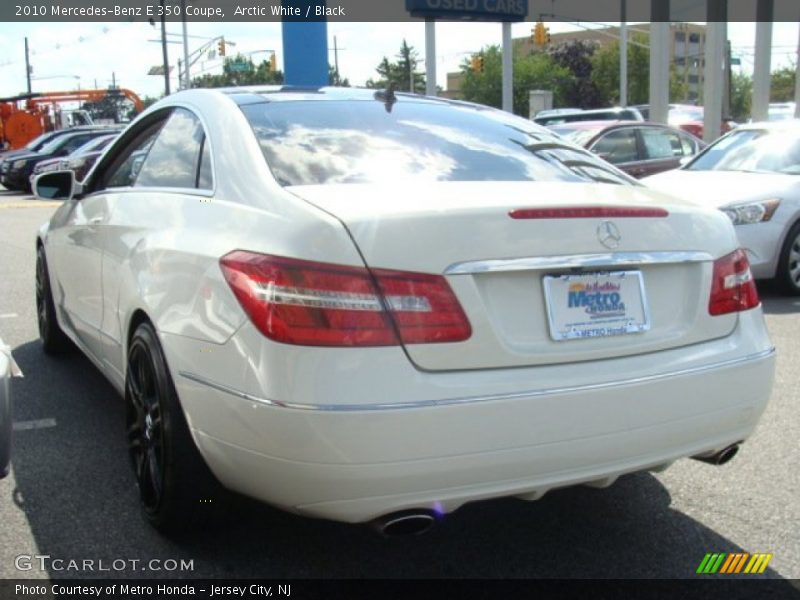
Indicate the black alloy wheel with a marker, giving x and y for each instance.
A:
(177, 491)
(145, 427)
(54, 340)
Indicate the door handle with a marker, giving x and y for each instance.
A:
(95, 221)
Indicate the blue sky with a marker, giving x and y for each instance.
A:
(65, 55)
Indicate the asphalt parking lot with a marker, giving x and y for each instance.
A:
(71, 494)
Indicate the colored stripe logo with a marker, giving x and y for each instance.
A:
(732, 563)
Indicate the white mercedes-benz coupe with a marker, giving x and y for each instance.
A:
(369, 306)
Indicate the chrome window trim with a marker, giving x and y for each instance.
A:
(206, 193)
(758, 356)
(575, 261)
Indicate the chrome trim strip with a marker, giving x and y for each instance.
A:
(576, 261)
(473, 399)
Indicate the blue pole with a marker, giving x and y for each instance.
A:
(305, 45)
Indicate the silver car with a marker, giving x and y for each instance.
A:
(752, 175)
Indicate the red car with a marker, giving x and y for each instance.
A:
(688, 117)
(638, 148)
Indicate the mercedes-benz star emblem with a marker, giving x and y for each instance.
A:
(608, 234)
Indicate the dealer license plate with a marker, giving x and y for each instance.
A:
(591, 305)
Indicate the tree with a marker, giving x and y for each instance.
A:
(536, 71)
(335, 78)
(239, 70)
(741, 96)
(605, 73)
(782, 84)
(111, 107)
(580, 90)
(400, 73)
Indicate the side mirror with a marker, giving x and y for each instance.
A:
(685, 160)
(58, 185)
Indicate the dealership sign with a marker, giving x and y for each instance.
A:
(472, 10)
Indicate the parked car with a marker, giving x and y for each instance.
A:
(36, 144)
(80, 160)
(600, 114)
(639, 149)
(377, 307)
(753, 176)
(15, 173)
(8, 369)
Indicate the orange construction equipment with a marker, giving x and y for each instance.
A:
(54, 98)
(20, 124)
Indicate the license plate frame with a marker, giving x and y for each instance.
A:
(599, 304)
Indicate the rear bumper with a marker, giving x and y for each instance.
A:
(354, 462)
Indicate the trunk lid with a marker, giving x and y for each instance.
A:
(498, 266)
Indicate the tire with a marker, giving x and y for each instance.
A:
(788, 274)
(176, 487)
(54, 340)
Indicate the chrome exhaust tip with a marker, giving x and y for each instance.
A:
(405, 523)
(719, 458)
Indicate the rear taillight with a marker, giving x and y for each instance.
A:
(732, 287)
(319, 304)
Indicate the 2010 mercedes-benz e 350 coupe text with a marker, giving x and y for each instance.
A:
(369, 306)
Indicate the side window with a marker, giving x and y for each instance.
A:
(74, 143)
(173, 160)
(123, 173)
(618, 146)
(660, 143)
(205, 180)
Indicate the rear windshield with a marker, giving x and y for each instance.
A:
(325, 142)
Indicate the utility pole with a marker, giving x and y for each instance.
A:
(113, 80)
(27, 66)
(164, 49)
(336, 59)
(186, 80)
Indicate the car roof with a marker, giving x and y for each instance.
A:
(286, 93)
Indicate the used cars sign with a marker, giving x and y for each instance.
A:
(477, 10)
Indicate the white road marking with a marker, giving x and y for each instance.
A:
(37, 424)
(8, 315)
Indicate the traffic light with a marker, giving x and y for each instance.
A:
(539, 34)
(221, 47)
(273, 63)
(477, 63)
